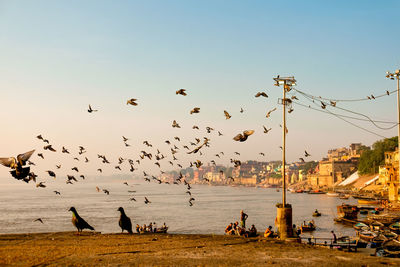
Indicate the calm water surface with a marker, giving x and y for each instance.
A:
(213, 209)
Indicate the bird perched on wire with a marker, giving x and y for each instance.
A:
(181, 92)
(78, 221)
(132, 102)
(195, 110)
(124, 221)
(243, 137)
(19, 172)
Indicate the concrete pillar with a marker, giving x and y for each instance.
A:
(284, 221)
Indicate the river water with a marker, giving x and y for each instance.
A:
(213, 208)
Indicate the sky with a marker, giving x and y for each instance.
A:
(57, 57)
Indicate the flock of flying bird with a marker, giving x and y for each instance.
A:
(20, 166)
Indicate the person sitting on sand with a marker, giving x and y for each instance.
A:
(154, 227)
(228, 228)
(253, 229)
(150, 227)
(164, 226)
(144, 228)
(137, 228)
(269, 232)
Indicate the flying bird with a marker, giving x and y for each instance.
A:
(227, 115)
(78, 221)
(132, 102)
(269, 112)
(306, 154)
(146, 201)
(19, 172)
(64, 150)
(261, 94)
(57, 192)
(175, 124)
(266, 130)
(195, 110)
(38, 220)
(41, 184)
(49, 147)
(90, 110)
(241, 110)
(51, 173)
(243, 137)
(181, 92)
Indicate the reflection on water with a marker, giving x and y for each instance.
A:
(213, 209)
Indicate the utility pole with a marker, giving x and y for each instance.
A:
(393, 76)
(284, 212)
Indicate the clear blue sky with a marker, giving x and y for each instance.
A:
(56, 57)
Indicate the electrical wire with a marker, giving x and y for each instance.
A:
(355, 125)
(310, 98)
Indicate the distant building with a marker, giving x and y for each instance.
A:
(388, 174)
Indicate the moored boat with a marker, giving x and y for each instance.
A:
(367, 235)
(332, 194)
(368, 201)
(316, 192)
(395, 227)
(344, 196)
(360, 225)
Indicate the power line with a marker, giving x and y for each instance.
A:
(347, 110)
(355, 125)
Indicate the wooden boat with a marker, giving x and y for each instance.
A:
(391, 248)
(344, 196)
(316, 214)
(377, 226)
(368, 201)
(347, 211)
(316, 192)
(395, 227)
(299, 191)
(360, 225)
(367, 235)
(309, 227)
(332, 194)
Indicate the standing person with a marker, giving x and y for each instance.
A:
(243, 218)
(334, 237)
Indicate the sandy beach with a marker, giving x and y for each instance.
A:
(95, 249)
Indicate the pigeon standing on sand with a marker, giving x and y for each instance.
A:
(78, 221)
(124, 221)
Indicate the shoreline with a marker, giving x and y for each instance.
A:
(95, 249)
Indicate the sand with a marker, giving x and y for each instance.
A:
(95, 249)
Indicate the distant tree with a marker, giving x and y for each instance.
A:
(371, 159)
(310, 165)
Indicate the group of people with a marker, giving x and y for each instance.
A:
(240, 229)
(150, 228)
